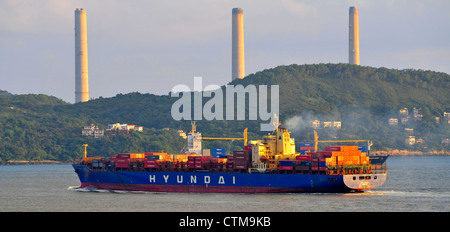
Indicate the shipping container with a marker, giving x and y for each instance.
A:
(363, 148)
(244, 152)
(303, 157)
(286, 163)
(302, 168)
(241, 157)
(89, 159)
(307, 148)
(307, 144)
(122, 162)
(248, 148)
(152, 157)
(325, 154)
(304, 163)
(287, 168)
(239, 166)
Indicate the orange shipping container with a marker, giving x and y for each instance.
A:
(89, 159)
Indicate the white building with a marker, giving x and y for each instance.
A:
(92, 130)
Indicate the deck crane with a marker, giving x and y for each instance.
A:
(316, 141)
(244, 137)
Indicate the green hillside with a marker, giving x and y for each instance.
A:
(38, 127)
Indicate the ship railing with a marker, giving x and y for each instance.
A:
(356, 169)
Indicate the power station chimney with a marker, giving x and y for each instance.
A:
(238, 61)
(353, 40)
(81, 57)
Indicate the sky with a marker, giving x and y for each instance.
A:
(150, 46)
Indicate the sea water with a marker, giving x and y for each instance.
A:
(414, 184)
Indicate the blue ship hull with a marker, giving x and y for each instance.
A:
(213, 182)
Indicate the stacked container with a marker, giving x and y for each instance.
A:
(306, 147)
(151, 161)
(241, 159)
(218, 152)
(286, 165)
(346, 155)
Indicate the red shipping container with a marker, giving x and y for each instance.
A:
(333, 148)
(285, 167)
(246, 152)
(322, 159)
(325, 154)
(150, 165)
(248, 148)
(240, 166)
(303, 157)
(241, 157)
(322, 168)
(314, 168)
(122, 162)
(202, 158)
(306, 148)
(123, 155)
(240, 161)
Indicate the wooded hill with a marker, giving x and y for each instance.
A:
(41, 127)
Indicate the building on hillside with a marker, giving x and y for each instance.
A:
(409, 131)
(404, 112)
(93, 131)
(122, 129)
(182, 134)
(393, 122)
(410, 140)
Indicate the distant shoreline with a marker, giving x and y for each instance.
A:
(32, 162)
(411, 153)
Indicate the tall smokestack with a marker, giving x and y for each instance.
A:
(238, 62)
(353, 41)
(81, 57)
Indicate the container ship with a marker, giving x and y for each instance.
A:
(269, 165)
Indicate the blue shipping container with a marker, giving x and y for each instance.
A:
(305, 163)
(362, 148)
(153, 157)
(286, 163)
(307, 144)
